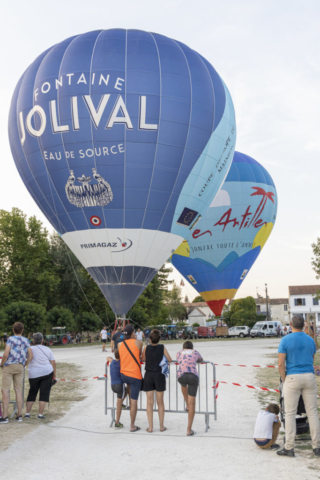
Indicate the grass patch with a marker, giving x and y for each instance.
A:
(63, 394)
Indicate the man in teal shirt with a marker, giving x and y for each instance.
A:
(296, 355)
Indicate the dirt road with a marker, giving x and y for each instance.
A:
(81, 445)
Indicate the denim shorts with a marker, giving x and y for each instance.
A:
(135, 385)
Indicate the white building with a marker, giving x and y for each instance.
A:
(278, 308)
(198, 313)
(302, 301)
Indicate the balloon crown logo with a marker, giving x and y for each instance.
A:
(85, 195)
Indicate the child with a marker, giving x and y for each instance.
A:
(117, 385)
(267, 427)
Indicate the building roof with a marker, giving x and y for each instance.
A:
(195, 305)
(272, 301)
(198, 311)
(304, 290)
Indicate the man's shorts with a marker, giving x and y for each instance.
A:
(147, 339)
(119, 389)
(154, 381)
(103, 340)
(191, 381)
(12, 372)
(135, 385)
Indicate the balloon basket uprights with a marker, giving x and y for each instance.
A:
(120, 322)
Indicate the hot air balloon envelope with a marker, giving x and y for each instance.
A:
(123, 138)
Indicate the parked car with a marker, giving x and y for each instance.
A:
(241, 331)
(206, 332)
(265, 329)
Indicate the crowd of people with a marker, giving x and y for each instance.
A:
(296, 367)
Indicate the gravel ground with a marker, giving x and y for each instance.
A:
(82, 444)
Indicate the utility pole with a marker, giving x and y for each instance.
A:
(267, 301)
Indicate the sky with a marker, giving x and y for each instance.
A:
(268, 54)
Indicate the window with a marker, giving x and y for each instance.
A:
(270, 326)
(315, 301)
(285, 308)
(265, 327)
(258, 308)
(299, 302)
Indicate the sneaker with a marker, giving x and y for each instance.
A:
(18, 418)
(27, 415)
(41, 417)
(119, 425)
(316, 451)
(275, 446)
(286, 453)
(123, 406)
(4, 420)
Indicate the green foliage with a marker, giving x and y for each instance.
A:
(87, 322)
(26, 269)
(3, 321)
(242, 312)
(198, 299)
(196, 324)
(175, 308)
(32, 315)
(182, 324)
(316, 261)
(61, 317)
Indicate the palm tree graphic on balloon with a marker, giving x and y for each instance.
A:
(262, 204)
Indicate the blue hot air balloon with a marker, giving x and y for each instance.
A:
(228, 240)
(123, 139)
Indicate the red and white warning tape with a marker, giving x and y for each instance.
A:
(80, 380)
(262, 389)
(256, 366)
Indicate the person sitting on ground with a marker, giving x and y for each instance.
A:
(296, 356)
(117, 385)
(41, 373)
(130, 351)
(154, 379)
(267, 427)
(13, 360)
(189, 380)
(116, 339)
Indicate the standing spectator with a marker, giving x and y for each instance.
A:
(189, 380)
(139, 335)
(104, 336)
(116, 339)
(13, 360)
(41, 373)
(296, 356)
(117, 385)
(154, 379)
(146, 333)
(278, 331)
(130, 351)
(5, 339)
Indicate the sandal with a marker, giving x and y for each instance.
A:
(164, 429)
(149, 431)
(135, 430)
(191, 434)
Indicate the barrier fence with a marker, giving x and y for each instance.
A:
(173, 398)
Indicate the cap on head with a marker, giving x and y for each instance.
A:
(128, 330)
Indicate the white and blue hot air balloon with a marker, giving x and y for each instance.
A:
(123, 138)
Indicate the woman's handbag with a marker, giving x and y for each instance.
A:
(134, 358)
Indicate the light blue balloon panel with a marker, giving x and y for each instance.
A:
(123, 139)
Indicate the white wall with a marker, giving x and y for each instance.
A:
(196, 317)
(304, 309)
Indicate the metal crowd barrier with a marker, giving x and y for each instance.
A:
(173, 398)
(15, 407)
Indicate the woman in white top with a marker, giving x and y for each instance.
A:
(139, 335)
(41, 373)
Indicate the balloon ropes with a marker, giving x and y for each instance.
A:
(228, 240)
(123, 138)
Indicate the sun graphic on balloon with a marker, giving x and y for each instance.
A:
(183, 249)
(262, 235)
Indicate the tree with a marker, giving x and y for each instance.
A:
(242, 311)
(61, 317)
(198, 299)
(182, 324)
(196, 324)
(176, 309)
(26, 269)
(87, 322)
(32, 315)
(316, 261)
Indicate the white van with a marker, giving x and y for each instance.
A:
(265, 329)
